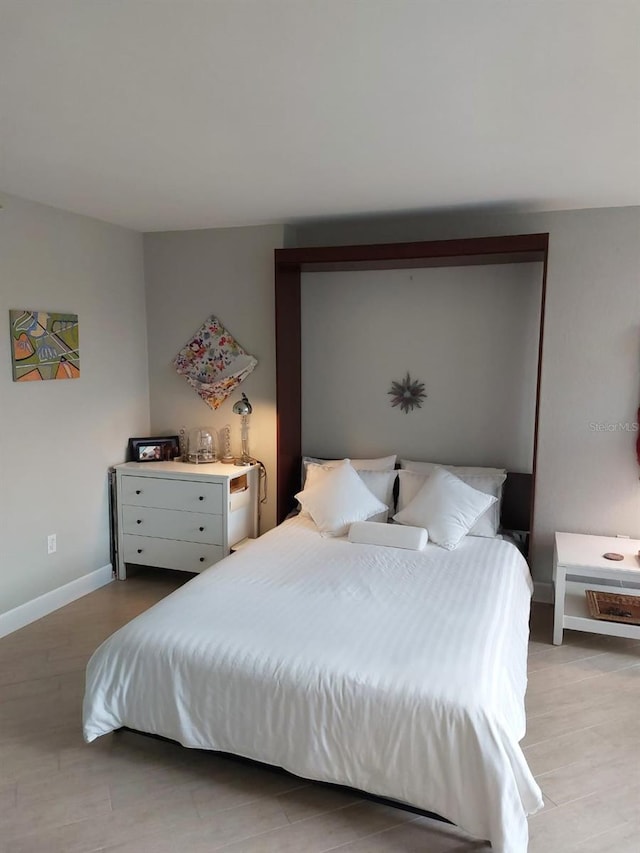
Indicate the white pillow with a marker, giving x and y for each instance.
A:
(388, 535)
(491, 484)
(447, 507)
(382, 463)
(339, 499)
(380, 483)
(461, 471)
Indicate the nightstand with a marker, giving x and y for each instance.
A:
(578, 565)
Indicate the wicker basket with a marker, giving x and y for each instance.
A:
(613, 607)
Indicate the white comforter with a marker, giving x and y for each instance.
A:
(397, 672)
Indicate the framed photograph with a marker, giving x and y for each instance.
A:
(163, 448)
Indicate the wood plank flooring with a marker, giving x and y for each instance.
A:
(132, 794)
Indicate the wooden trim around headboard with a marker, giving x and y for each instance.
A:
(291, 263)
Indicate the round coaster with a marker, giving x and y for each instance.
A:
(612, 555)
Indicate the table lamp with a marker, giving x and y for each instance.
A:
(244, 408)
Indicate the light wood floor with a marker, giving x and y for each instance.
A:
(133, 794)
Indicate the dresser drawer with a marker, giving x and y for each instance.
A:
(168, 554)
(172, 494)
(172, 524)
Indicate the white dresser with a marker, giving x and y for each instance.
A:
(176, 515)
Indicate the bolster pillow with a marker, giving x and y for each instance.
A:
(390, 535)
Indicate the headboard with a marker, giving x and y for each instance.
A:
(517, 494)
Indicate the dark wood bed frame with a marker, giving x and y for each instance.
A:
(519, 489)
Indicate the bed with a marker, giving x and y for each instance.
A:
(400, 673)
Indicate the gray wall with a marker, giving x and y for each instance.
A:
(587, 473)
(227, 272)
(469, 333)
(59, 437)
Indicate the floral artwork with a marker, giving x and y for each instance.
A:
(213, 362)
(44, 345)
(408, 394)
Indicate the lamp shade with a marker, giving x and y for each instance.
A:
(243, 406)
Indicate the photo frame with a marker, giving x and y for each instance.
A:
(163, 448)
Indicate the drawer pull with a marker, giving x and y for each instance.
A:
(201, 498)
(139, 521)
(202, 559)
(139, 550)
(201, 529)
(138, 491)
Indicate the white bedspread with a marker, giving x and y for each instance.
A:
(397, 672)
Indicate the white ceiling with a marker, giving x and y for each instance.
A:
(171, 114)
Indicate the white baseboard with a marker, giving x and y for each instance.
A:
(27, 613)
(543, 592)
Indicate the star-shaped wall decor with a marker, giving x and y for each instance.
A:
(407, 394)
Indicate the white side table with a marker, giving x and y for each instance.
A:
(579, 565)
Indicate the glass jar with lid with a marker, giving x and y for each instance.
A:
(202, 445)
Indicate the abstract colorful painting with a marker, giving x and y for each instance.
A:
(44, 345)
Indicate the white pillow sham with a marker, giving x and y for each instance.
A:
(459, 470)
(339, 499)
(380, 483)
(382, 463)
(447, 507)
(491, 484)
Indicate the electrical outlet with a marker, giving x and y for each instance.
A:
(51, 544)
